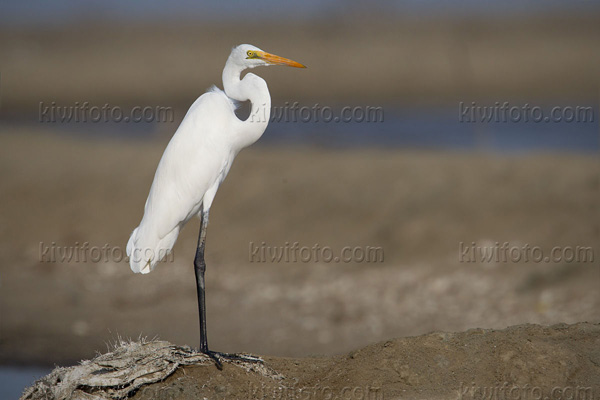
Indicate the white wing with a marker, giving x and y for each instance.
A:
(193, 165)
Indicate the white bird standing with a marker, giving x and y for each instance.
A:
(196, 161)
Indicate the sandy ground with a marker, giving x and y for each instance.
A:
(526, 360)
(416, 206)
(522, 362)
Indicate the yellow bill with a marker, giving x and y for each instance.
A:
(276, 60)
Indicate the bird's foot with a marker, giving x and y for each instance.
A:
(216, 356)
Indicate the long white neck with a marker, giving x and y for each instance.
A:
(252, 88)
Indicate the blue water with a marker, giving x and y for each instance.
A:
(13, 380)
(441, 129)
(400, 128)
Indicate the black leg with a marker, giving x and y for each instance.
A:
(200, 269)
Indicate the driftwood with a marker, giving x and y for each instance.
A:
(120, 373)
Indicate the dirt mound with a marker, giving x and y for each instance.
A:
(524, 362)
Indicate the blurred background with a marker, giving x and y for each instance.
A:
(422, 182)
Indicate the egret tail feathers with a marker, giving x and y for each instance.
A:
(145, 252)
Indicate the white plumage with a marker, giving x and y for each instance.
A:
(200, 154)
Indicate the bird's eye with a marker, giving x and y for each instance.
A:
(249, 53)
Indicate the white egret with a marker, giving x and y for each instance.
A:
(196, 161)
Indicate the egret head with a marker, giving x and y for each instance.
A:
(250, 56)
